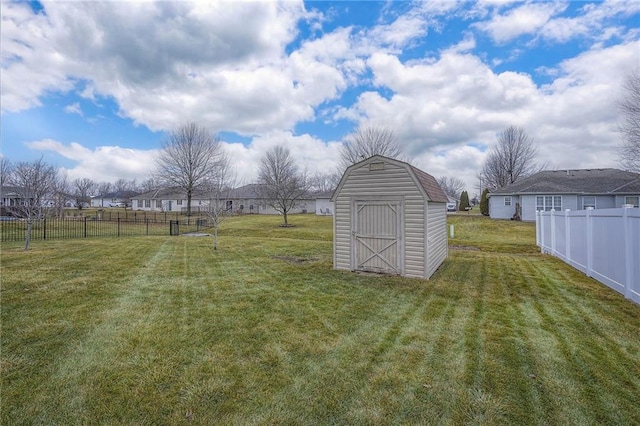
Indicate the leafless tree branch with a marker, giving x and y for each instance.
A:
(282, 184)
(629, 126)
(189, 159)
(368, 141)
(452, 186)
(513, 158)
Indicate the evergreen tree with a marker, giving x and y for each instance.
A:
(464, 201)
(484, 203)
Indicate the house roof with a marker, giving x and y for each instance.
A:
(323, 194)
(250, 191)
(168, 193)
(427, 182)
(582, 181)
(118, 194)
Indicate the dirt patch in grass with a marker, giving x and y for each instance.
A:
(467, 248)
(296, 259)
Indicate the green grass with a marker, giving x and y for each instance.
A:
(164, 330)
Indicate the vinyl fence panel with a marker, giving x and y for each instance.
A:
(604, 244)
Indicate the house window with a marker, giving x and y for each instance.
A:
(589, 201)
(507, 201)
(147, 203)
(179, 202)
(159, 203)
(634, 201)
(549, 202)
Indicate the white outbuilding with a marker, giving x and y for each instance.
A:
(390, 217)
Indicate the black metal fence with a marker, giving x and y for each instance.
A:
(12, 229)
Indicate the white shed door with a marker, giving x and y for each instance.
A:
(376, 232)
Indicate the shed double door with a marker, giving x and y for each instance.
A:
(377, 232)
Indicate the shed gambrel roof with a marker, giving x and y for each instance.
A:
(427, 182)
(582, 181)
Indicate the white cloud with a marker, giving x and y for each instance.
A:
(105, 163)
(73, 109)
(167, 62)
(459, 101)
(527, 18)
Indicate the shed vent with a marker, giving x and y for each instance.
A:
(376, 166)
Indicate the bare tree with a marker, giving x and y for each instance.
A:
(629, 127)
(282, 184)
(83, 190)
(149, 185)
(122, 185)
(513, 158)
(188, 159)
(368, 141)
(322, 182)
(60, 194)
(452, 186)
(104, 188)
(34, 182)
(218, 188)
(5, 170)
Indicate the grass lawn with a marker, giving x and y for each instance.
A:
(164, 330)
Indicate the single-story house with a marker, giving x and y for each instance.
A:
(168, 200)
(248, 199)
(390, 217)
(243, 200)
(113, 199)
(324, 205)
(565, 189)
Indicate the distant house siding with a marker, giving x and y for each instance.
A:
(324, 206)
(497, 209)
(528, 205)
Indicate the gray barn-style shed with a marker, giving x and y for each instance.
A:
(390, 217)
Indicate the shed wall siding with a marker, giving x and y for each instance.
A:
(393, 181)
(436, 236)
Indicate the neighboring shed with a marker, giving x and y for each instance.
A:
(390, 217)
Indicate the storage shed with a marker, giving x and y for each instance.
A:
(390, 217)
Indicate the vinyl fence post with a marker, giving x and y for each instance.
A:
(538, 228)
(567, 235)
(627, 251)
(552, 218)
(589, 242)
(542, 242)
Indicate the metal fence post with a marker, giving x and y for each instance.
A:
(44, 228)
(85, 227)
(118, 224)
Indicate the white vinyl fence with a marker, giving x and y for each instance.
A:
(604, 244)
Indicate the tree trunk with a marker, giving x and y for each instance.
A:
(27, 239)
(188, 203)
(215, 236)
(286, 222)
